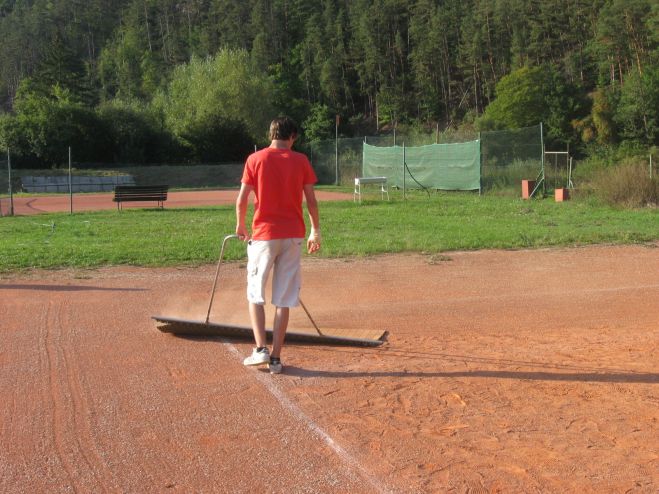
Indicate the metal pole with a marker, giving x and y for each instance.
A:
(11, 194)
(336, 149)
(217, 273)
(542, 150)
(70, 185)
(404, 173)
(651, 170)
(362, 174)
(310, 318)
(480, 164)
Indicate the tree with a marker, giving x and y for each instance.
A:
(520, 100)
(372, 61)
(62, 68)
(224, 90)
(637, 112)
(605, 101)
(623, 42)
(49, 124)
(319, 125)
(134, 134)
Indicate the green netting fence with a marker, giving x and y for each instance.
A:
(437, 161)
(510, 156)
(438, 166)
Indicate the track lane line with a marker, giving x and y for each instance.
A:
(349, 460)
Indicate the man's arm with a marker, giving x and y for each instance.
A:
(313, 243)
(241, 211)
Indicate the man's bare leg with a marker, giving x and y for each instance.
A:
(279, 330)
(257, 315)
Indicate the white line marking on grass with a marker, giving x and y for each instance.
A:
(347, 458)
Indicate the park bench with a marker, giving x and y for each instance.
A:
(130, 193)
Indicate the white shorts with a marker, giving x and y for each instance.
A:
(282, 256)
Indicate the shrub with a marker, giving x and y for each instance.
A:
(627, 185)
(135, 135)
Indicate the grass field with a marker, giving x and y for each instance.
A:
(441, 223)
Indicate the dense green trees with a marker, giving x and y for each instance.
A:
(211, 103)
(198, 79)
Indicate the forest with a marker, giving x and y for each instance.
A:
(155, 81)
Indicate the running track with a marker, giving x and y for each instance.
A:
(52, 203)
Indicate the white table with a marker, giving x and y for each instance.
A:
(361, 181)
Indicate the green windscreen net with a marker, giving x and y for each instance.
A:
(436, 166)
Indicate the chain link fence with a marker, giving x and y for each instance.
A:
(507, 156)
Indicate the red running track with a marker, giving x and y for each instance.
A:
(53, 203)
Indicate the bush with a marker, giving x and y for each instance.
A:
(627, 185)
(135, 136)
(46, 125)
(218, 139)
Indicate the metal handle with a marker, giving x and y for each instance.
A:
(310, 318)
(217, 273)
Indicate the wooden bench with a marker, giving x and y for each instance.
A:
(130, 193)
(359, 181)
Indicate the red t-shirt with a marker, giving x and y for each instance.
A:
(278, 177)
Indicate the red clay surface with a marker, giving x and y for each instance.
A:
(52, 203)
(504, 371)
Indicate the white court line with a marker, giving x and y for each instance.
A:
(347, 458)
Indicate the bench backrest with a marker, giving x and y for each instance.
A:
(155, 191)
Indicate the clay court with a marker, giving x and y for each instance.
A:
(503, 371)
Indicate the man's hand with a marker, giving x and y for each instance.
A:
(242, 233)
(313, 242)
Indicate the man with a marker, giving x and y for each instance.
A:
(279, 177)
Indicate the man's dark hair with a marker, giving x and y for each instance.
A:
(283, 128)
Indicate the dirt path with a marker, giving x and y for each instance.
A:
(515, 371)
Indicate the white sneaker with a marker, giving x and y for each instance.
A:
(275, 367)
(258, 358)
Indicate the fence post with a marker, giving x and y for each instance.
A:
(404, 172)
(542, 151)
(70, 185)
(336, 150)
(362, 170)
(480, 163)
(11, 194)
(651, 170)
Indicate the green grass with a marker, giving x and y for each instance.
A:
(441, 223)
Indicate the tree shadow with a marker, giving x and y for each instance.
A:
(604, 377)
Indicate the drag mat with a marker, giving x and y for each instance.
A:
(354, 337)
